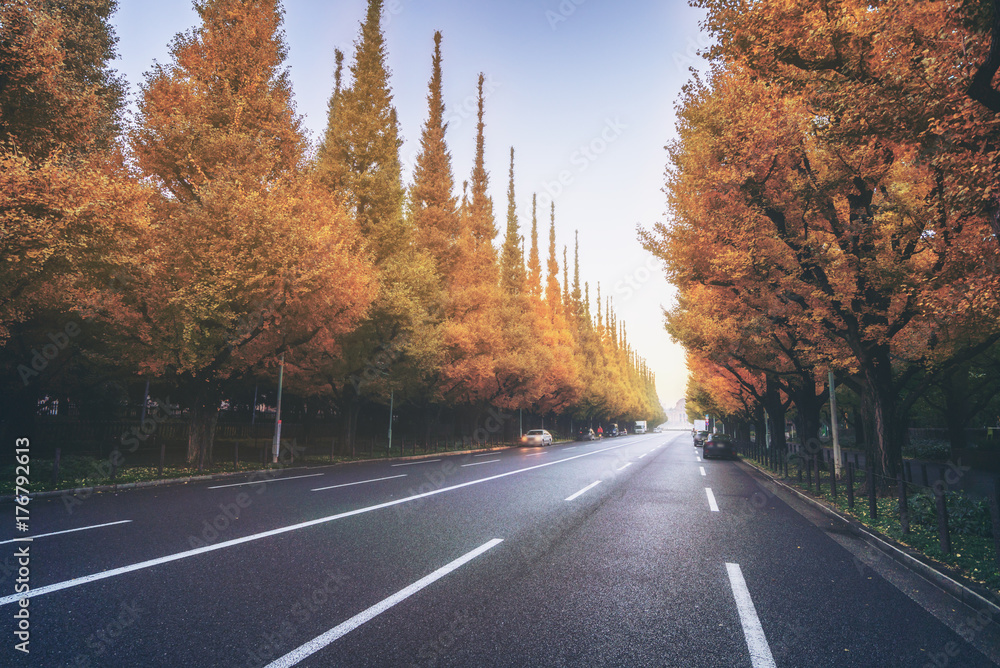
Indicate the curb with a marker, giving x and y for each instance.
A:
(942, 581)
(88, 491)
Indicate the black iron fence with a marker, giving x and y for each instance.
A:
(949, 496)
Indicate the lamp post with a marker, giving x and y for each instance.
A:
(391, 398)
(834, 431)
(277, 417)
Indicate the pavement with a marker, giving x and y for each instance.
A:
(622, 552)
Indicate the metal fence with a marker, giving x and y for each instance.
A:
(933, 488)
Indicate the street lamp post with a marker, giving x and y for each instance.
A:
(834, 431)
(277, 417)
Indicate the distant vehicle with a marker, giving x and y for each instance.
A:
(701, 425)
(586, 434)
(699, 438)
(719, 445)
(612, 430)
(658, 430)
(623, 432)
(640, 427)
(537, 437)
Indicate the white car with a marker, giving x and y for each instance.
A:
(537, 437)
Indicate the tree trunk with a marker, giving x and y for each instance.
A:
(886, 447)
(776, 414)
(350, 406)
(760, 428)
(956, 409)
(201, 430)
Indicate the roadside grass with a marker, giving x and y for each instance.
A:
(972, 551)
(76, 472)
(83, 471)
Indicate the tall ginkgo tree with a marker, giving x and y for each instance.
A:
(397, 345)
(71, 214)
(250, 258)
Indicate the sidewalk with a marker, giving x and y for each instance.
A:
(949, 580)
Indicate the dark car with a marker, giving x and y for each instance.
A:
(699, 438)
(586, 434)
(719, 445)
(612, 430)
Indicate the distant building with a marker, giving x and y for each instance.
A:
(678, 413)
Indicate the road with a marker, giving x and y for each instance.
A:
(623, 552)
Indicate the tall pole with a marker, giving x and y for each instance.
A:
(145, 400)
(277, 417)
(391, 397)
(833, 425)
(253, 413)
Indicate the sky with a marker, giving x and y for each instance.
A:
(584, 90)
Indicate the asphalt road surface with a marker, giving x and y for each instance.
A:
(621, 552)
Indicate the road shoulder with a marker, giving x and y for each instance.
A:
(966, 612)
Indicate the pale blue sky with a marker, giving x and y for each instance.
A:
(583, 89)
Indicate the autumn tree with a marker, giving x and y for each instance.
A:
(432, 200)
(397, 345)
(557, 338)
(842, 244)
(519, 361)
(472, 327)
(57, 90)
(249, 258)
(71, 213)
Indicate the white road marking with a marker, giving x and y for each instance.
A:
(56, 533)
(535, 454)
(486, 454)
(574, 447)
(66, 584)
(624, 467)
(760, 652)
(644, 454)
(488, 461)
(713, 506)
(585, 489)
(360, 482)
(319, 642)
(702, 469)
(257, 482)
(426, 461)
(698, 458)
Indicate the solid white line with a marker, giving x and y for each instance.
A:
(486, 454)
(56, 533)
(257, 482)
(426, 461)
(585, 489)
(624, 467)
(66, 584)
(713, 506)
(760, 652)
(488, 461)
(319, 642)
(360, 482)
(702, 469)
